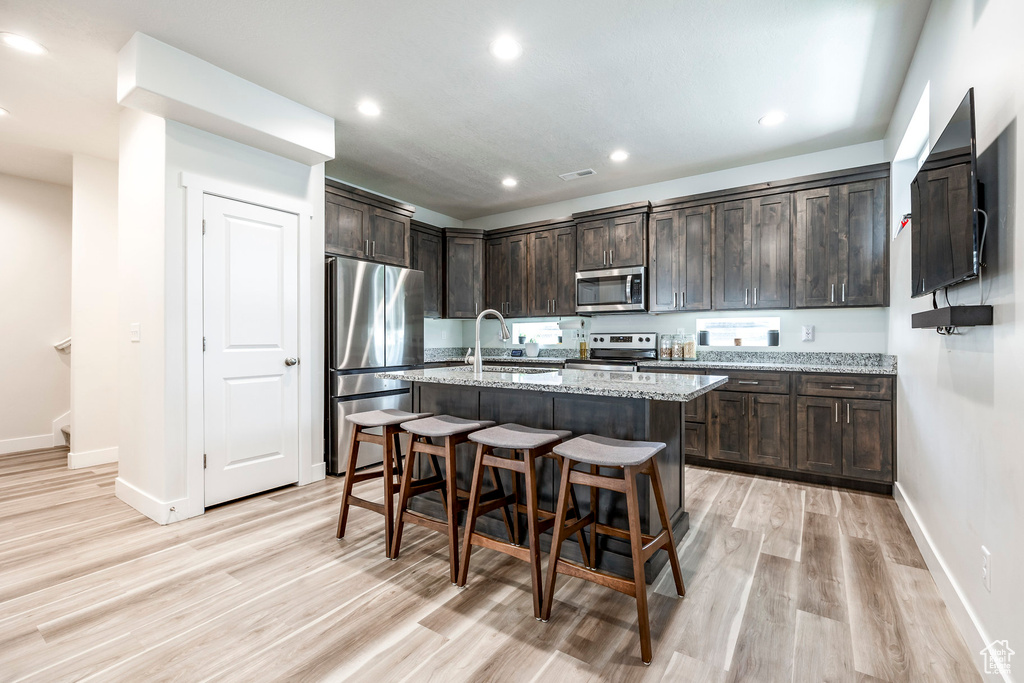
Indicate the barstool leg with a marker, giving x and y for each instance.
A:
(530, 459)
(403, 499)
(471, 511)
(593, 526)
(673, 554)
(350, 472)
(389, 488)
(556, 538)
(637, 547)
(451, 487)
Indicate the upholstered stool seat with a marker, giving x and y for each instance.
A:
(444, 425)
(387, 420)
(634, 458)
(532, 443)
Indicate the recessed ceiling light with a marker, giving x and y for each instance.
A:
(509, 182)
(22, 43)
(368, 108)
(4, 112)
(772, 118)
(506, 48)
(619, 155)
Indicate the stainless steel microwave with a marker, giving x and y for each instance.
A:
(616, 290)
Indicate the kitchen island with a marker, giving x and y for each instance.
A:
(622, 405)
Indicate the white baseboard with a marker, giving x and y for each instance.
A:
(161, 512)
(100, 456)
(313, 473)
(964, 617)
(26, 443)
(58, 436)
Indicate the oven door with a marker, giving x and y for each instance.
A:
(618, 290)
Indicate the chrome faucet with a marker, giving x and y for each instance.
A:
(478, 365)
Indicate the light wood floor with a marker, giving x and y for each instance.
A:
(785, 582)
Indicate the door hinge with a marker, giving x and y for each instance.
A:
(204, 226)
(204, 461)
(204, 343)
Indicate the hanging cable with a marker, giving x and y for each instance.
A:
(981, 263)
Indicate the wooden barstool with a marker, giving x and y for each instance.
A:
(388, 421)
(634, 458)
(454, 431)
(532, 444)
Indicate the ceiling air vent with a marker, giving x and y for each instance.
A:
(577, 174)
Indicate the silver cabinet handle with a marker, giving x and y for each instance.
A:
(291, 361)
(844, 292)
(837, 411)
(833, 293)
(554, 307)
(366, 247)
(755, 296)
(674, 299)
(746, 381)
(682, 299)
(847, 413)
(746, 296)
(611, 257)
(848, 387)
(604, 257)
(373, 249)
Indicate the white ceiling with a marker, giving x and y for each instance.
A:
(680, 85)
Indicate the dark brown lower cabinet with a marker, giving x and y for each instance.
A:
(728, 429)
(867, 439)
(696, 439)
(819, 435)
(769, 429)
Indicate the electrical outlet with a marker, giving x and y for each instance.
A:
(444, 335)
(986, 568)
(807, 333)
(135, 332)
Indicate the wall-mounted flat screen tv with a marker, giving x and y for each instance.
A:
(944, 202)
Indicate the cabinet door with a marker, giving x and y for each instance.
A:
(728, 433)
(425, 255)
(667, 243)
(819, 435)
(592, 245)
(543, 271)
(563, 300)
(863, 244)
(772, 232)
(732, 254)
(769, 429)
(464, 276)
(518, 275)
(346, 226)
(389, 237)
(497, 274)
(867, 439)
(694, 278)
(627, 245)
(695, 440)
(815, 248)
(696, 410)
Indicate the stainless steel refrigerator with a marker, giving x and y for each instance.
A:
(374, 321)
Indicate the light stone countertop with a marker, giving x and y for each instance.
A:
(682, 365)
(641, 385)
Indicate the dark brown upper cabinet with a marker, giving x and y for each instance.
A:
(464, 273)
(680, 259)
(615, 237)
(427, 254)
(752, 244)
(364, 225)
(552, 280)
(840, 245)
(508, 275)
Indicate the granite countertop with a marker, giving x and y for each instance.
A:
(682, 365)
(650, 386)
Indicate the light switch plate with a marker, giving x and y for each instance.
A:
(135, 332)
(807, 333)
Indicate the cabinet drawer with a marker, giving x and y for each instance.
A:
(845, 386)
(754, 382)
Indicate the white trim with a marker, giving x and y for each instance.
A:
(100, 456)
(195, 187)
(26, 443)
(160, 512)
(57, 441)
(963, 616)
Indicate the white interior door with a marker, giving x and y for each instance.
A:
(250, 324)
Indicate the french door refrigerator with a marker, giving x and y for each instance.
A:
(374, 322)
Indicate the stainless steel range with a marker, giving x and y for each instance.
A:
(617, 351)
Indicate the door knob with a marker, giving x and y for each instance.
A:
(291, 361)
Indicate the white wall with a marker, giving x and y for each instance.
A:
(94, 322)
(959, 435)
(35, 310)
(154, 155)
